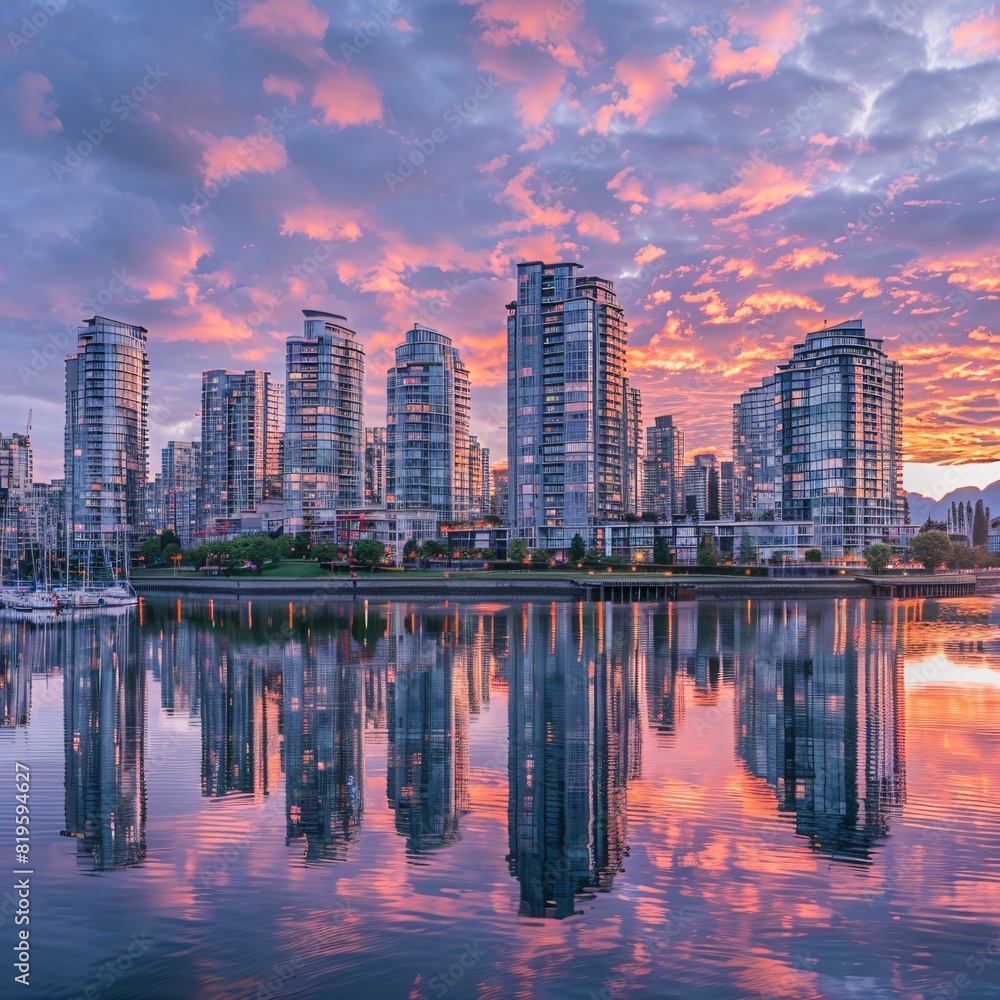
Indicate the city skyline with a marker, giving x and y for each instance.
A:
(737, 179)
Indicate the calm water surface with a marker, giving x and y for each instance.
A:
(733, 799)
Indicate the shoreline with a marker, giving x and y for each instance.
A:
(613, 586)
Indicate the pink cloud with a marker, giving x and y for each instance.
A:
(283, 85)
(649, 83)
(519, 196)
(34, 104)
(535, 100)
(323, 222)
(978, 37)
(771, 29)
(526, 22)
(261, 152)
(345, 99)
(285, 18)
(591, 224)
(628, 187)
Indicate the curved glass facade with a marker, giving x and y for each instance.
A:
(427, 427)
(324, 423)
(107, 437)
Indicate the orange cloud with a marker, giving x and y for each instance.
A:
(867, 288)
(591, 224)
(978, 37)
(649, 83)
(803, 258)
(345, 99)
(649, 253)
(285, 18)
(766, 187)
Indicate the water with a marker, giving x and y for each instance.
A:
(734, 799)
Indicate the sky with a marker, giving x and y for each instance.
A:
(744, 172)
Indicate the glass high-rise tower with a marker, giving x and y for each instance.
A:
(427, 426)
(107, 437)
(663, 487)
(324, 423)
(829, 425)
(242, 418)
(566, 408)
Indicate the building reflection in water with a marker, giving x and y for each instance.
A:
(105, 731)
(427, 772)
(325, 682)
(819, 717)
(575, 738)
(15, 671)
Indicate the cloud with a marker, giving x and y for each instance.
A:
(977, 37)
(35, 104)
(284, 18)
(591, 224)
(345, 98)
(649, 83)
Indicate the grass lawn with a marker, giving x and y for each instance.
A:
(295, 569)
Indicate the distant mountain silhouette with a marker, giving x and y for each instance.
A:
(922, 507)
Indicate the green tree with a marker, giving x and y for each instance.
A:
(433, 549)
(411, 550)
(708, 555)
(592, 558)
(368, 552)
(962, 557)
(541, 557)
(813, 555)
(661, 550)
(931, 548)
(151, 550)
(877, 557)
(577, 548)
(324, 553)
(517, 551)
(172, 550)
(301, 546)
(748, 553)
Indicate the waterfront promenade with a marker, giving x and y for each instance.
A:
(617, 586)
